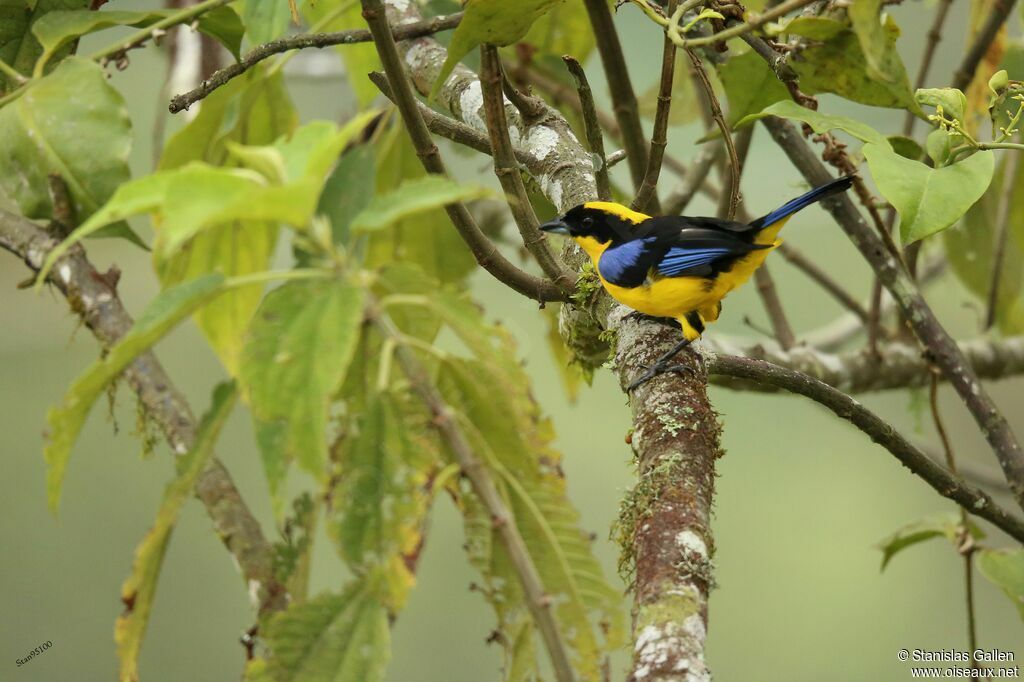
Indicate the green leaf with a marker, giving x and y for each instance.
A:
(835, 62)
(942, 525)
(1005, 568)
(412, 198)
(821, 123)
(300, 344)
(928, 199)
(139, 588)
(686, 104)
(426, 239)
(161, 315)
(864, 16)
(265, 20)
(906, 147)
(85, 139)
(253, 109)
(952, 101)
(382, 497)
(565, 29)
(18, 45)
(359, 58)
(970, 251)
(490, 21)
(348, 190)
(332, 638)
(55, 30)
(750, 85)
(939, 144)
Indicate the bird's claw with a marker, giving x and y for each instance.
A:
(659, 368)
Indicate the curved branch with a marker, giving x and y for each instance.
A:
(943, 349)
(94, 298)
(946, 484)
(483, 249)
(301, 41)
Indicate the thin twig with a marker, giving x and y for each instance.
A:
(483, 249)
(645, 200)
(672, 25)
(507, 170)
(942, 481)
(915, 310)
(716, 113)
(537, 599)
(302, 41)
(933, 38)
(136, 39)
(823, 279)
(624, 103)
(964, 74)
(591, 127)
(1002, 236)
(781, 328)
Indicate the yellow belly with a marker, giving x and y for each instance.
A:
(676, 297)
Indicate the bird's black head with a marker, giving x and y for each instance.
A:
(600, 221)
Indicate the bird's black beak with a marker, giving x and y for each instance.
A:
(556, 226)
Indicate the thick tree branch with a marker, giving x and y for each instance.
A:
(93, 297)
(942, 481)
(933, 336)
(302, 41)
(484, 251)
(891, 366)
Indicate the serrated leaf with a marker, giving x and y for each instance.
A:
(414, 197)
(18, 45)
(969, 248)
(835, 62)
(139, 588)
(332, 638)
(382, 497)
(943, 525)
(496, 22)
(928, 199)
(299, 347)
(161, 315)
(750, 85)
(360, 58)
(85, 139)
(821, 123)
(1005, 568)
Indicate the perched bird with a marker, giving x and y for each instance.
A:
(677, 267)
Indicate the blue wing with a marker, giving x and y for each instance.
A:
(627, 264)
(679, 259)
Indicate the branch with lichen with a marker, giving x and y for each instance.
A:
(93, 297)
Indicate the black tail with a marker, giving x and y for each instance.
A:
(815, 195)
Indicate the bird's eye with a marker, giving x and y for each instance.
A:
(588, 221)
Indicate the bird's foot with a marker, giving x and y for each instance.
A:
(641, 317)
(659, 367)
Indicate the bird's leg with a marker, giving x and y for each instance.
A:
(661, 366)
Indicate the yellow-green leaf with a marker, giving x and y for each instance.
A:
(299, 347)
(821, 123)
(497, 22)
(331, 638)
(19, 48)
(161, 315)
(939, 526)
(928, 199)
(139, 588)
(413, 197)
(359, 58)
(1005, 568)
(750, 85)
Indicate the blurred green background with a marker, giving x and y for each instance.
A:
(802, 497)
